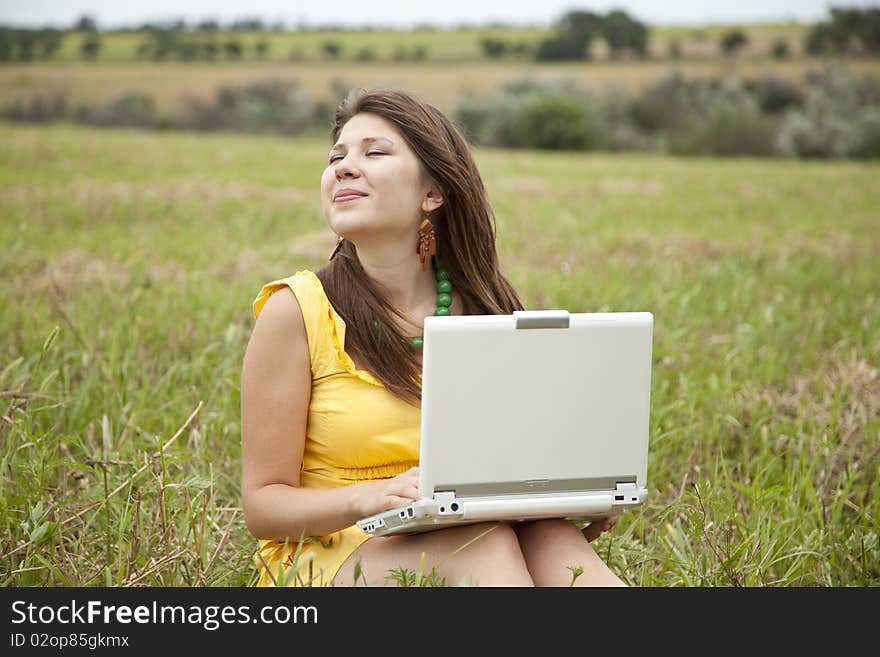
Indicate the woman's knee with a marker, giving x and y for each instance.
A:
(489, 554)
(497, 538)
(548, 527)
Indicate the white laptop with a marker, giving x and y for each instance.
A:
(535, 414)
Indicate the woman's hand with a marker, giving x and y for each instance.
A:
(371, 497)
(597, 527)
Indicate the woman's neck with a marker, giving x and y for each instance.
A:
(409, 288)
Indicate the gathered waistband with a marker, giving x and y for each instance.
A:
(383, 471)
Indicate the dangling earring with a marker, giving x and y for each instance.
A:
(336, 249)
(427, 243)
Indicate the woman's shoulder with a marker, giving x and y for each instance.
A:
(304, 285)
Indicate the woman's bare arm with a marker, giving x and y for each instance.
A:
(276, 386)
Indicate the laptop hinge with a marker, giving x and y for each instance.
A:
(446, 503)
(535, 319)
(626, 492)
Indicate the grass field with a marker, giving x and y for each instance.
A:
(131, 259)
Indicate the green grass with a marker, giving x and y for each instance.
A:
(130, 261)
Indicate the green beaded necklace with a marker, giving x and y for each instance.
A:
(444, 300)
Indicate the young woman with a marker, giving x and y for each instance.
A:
(330, 388)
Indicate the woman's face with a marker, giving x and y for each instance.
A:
(386, 171)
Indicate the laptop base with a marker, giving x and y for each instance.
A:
(446, 510)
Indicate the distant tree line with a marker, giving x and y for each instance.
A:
(28, 45)
(163, 44)
(850, 31)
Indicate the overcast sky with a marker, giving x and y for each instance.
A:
(406, 13)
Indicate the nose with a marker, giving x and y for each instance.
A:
(343, 168)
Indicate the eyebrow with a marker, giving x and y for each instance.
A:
(363, 141)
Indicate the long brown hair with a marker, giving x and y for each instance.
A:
(464, 226)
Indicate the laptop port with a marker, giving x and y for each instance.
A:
(454, 506)
(619, 498)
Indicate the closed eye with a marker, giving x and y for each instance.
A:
(336, 157)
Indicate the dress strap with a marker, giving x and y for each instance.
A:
(324, 326)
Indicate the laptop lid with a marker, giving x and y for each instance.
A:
(535, 401)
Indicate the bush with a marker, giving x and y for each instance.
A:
(264, 106)
(331, 49)
(38, 109)
(838, 119)
(728, 121)
(365, 54)
(233, 49)
(730, 130)
(493, 48)
(775, 93)
(780, 49)
(531, 114)
(131, 110)
(552, 122)
(90, 47)
(733, 41)
(868, 145)
(666, 104)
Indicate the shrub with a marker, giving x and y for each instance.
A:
(493, 48)
(780, 49)
(530, 114)
(554, 122)
(868, 145)
(838, 119)
(38, 109)
(90, 47)
(130, 110)
(263, 106)
(331, 49)
(727, 121)
(666, 104)
(365, 54)
(233, 49)
(775, 93)
(733, 41)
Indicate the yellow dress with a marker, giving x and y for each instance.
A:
(356, 431)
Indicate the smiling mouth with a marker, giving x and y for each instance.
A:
(348, 197)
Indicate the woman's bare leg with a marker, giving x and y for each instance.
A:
(493, 558)
(549, 546)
